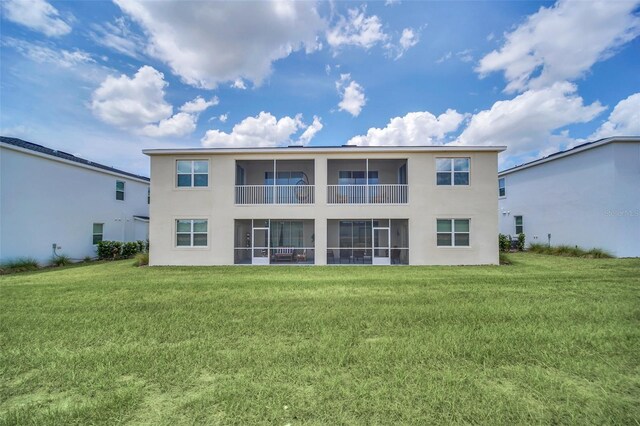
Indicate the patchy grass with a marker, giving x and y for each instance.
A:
(547, 340)
(141, 259)
(571, 251)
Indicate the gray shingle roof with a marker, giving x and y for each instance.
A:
(65, 155)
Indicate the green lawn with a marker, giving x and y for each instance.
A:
(547, 340)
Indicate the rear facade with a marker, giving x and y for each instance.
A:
(324, 205)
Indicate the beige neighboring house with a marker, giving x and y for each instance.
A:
(427, 205)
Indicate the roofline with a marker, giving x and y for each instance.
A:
(561, 154)
(319, 149)
(96, 168)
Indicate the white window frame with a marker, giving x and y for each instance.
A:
(452, 171)
(94, 234)
(503, 187)
(453, 232)
(515, 223)
(191, 233)
(192, 174)
(124, 188)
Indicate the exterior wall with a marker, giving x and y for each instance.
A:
(427, 202)
(589, 199)
(45, 201)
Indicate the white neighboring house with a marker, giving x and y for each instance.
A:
(587, 196)
(51, 198)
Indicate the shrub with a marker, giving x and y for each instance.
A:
(142, 246)
(109, 249)
(129, 250)
(503, 243)
(142, 259)
(569, 251)
(21, 264)
(60, 260)
(521, 242)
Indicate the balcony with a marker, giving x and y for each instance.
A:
(274, 182)
(376, 181)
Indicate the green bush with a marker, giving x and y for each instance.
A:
(521, 240)
(21, 264)
(503, 243)
(110, 250)
(129, 250)
(60, 260)
(142, 259)
(569, 251)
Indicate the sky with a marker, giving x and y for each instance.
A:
(104, 80)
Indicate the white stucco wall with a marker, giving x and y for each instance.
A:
(44, 201)
(589, 199)
(427, 202)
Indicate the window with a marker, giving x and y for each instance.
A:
(98, 230)
(452, 171)
(148, 195)
(357, 178)
(502, 191)
(453, 233)
(285, 178)
(286, 233)
(191, 233)
(192, 173)
(120, 190)
(519, 225)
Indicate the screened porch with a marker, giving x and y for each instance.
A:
(274, 241)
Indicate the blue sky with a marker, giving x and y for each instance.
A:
(104, 80)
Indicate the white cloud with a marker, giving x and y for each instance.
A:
(206, 43)
(465, 55)
(356, 30)
(118, 36)
(37, 15)
(391, 2)
(223, 118)
(444, 57)
(353, 98)
(562, 42)
(239, 84)
(199, 104)
(526, 123)
(261, 131)
(137, 104)
(44, 54)
(415, 128)
(408, 39)
(624, 120)
(311, 131)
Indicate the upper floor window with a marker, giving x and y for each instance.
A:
(346, 177)
(98, 232)
(452, 171)
(191, 232)
(285, 178)
(519, 224)
(453, 232)
(120, 190)
(192, 173)
(502, 190)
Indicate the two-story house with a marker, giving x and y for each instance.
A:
(425, 205)
(53, 202)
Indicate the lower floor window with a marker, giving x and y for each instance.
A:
(519, 225)
(191, 232)
(453, 232)
(98, 231)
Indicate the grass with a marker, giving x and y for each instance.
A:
(141, 259)
(571, 251)
(546, 340)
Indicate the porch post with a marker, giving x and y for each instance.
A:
(320, 223)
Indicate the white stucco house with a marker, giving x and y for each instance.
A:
(420, 205)
(588, 196)
(51, 200)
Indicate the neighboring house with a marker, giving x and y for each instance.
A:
(324, 205)
(50, 197)
(587, 196)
